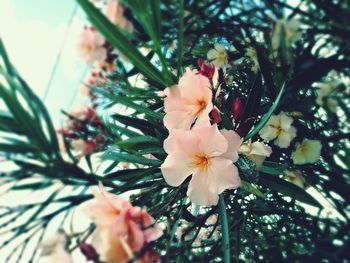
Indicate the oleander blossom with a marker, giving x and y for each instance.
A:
(208, 155)
(279, 128)
(121, 229)
(218, 55)
(290, 29)
(295, 177)
(324, 95)
(308, 151)
(115, 13)
(55, 249)
(91, 47)
(188, 102)
(257, 151)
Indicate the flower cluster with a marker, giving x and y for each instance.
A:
(84, 132)
(195, 146)
(122, 230)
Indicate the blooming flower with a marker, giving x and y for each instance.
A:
(55, 249)
(279, 128)
(291, 32)
(115, 13)
(208, 155)
(323, 95)
(294, 177)
(90, 46)
(121, 229)
(257, 151)
(83, 147)
(308, 151)
(218, 56)
(189, 102)
(253, 56)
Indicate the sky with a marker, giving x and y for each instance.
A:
(34, 32)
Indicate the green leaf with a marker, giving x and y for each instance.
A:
(279, 185)
(139, 142)
(248, 187)
(114, 154)
(128, 174)
(180, 39)
(115, 36)
(224, 230)
(5, 59)
(273, 168)
(267, 115)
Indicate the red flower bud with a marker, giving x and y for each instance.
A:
(207, 70)
(237, 110)
(215, 115)
(89, 252)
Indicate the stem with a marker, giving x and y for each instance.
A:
(224, 230)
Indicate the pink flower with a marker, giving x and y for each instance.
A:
(208, 155)
(83, 147)
(115, 13)
(121, 229)
(90, 46)
(189, 102)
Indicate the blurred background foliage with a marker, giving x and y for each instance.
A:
(268, 218)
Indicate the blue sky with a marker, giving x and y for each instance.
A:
(33, 32)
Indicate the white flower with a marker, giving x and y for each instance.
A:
(55, 249)
(218, 56)
(253, 56)
(324, 91)
(257, 151)
(291, 32)
(90, 46)
(294, 177)
(308, 151)
(279, 128)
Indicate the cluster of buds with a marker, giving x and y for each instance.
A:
(83, 132)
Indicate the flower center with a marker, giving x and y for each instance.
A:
(200, 106)
(88, 48)
(202, 162)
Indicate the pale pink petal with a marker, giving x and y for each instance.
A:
(178, 120)
(234, 143)
(213, 143)
(176, 168)
(135, 236)
(200, 192)
(182, 141)
(223, 175)
(173, 100)
(195, 86)
(203, 120)
(152, 234)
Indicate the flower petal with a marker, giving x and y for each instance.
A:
(223, 175)
(285, 137)
(182, 141)
(234, 143)
(199, 190)
(212, 141)
(176, 168)
(212, 54)
(178, 120)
